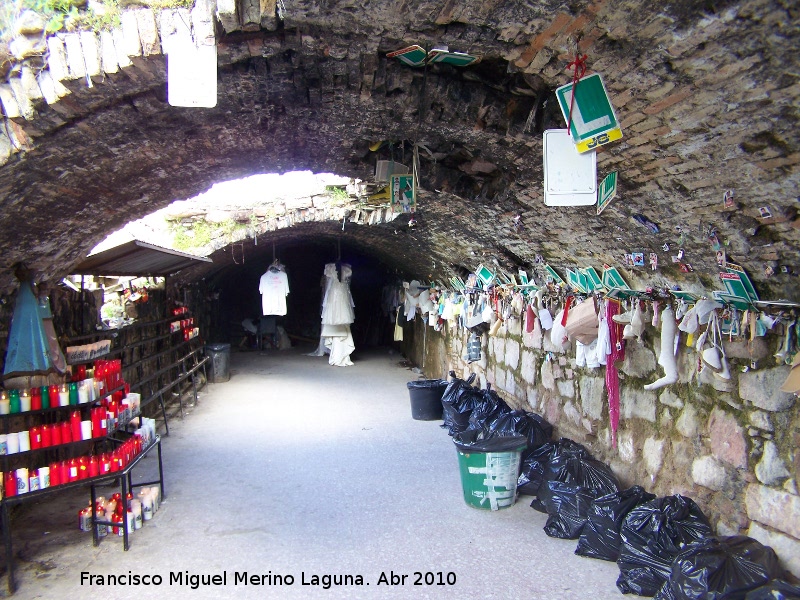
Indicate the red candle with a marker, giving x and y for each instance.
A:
(36, 437)
(75, 425)
(10, 483)
(72, 469)
(54, 389)
(64, 476)
(36, 399)
(66, 432)
(96, 429)
(83, 467)
(47, 436)
(55, 474)
(94, 466)
(55, 432)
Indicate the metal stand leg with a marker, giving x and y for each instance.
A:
(161, 472)
(124, 499)
(95, 535)
(163, 412)
(9, 552)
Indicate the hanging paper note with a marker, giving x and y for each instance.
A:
(191, 74)
(404, 193)
(570, 178)
(593, 120)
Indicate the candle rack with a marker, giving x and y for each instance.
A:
(159, 364)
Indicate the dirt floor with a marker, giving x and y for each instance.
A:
(296, 479)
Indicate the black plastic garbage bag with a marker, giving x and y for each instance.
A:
(520, 422)
(568, 505)
(541, 431)
(600, 535)
(534, 462)
(775, 590)
(478, 440)
(490, 408)
(717, 568)
(458, 401)
(573, 463)
(652, 535)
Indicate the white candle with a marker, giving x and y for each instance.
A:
(63, 396)
(136, 509)
(5, 404)
(86, 430)
(83, 392)
(13, 443)
(24, 401)
(33, 481)
(22, 480)
(3, 444)
(24, 441)
(131, 521)
(44, 477)
(147, 505)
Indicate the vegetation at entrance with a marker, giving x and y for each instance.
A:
(338, 195)
(75, 15)
(197, 235)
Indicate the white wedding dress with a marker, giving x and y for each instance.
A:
(337, 315)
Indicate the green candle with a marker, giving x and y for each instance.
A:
(73, 392)
(45, 396)
(13, 397)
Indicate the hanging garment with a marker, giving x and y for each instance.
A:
(473, 348)
(337, 314)
(28, 350)
(339, 342)
(274, 287)
(398, 330)
(337, 305)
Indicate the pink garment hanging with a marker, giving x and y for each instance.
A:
(612, 374)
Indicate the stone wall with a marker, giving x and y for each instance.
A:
(732, 446)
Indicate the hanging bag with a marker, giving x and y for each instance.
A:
(583, 322)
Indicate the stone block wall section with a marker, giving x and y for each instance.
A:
(732, 446)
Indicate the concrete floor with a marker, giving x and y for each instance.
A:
(297, 468)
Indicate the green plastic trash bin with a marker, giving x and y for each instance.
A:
(489, 468)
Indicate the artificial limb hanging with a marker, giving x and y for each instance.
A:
(666, 357)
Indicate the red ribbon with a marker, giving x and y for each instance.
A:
(579, 67)
(566, 310)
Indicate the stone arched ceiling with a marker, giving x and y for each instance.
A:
(707, 95)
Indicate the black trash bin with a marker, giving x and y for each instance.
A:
(426, 398)
(220, 355)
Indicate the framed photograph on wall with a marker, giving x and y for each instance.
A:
(403, 193)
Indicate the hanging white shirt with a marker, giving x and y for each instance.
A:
(274, 287)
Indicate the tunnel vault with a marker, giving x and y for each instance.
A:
(707, 102)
